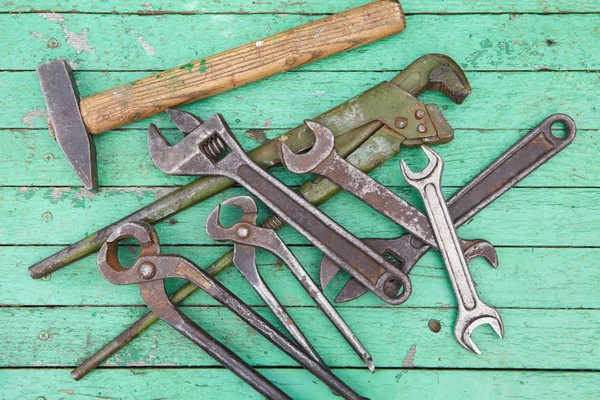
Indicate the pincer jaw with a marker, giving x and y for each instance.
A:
(108, 257)
(218, 232)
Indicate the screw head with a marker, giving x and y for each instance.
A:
(243, 232)
(147, 270)
(420, 114)
(422, 128)
(401, 122)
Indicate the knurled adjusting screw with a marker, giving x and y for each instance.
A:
(147, 270)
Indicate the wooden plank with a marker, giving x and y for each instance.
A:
(218, 383)
(123, 160)
(522, 217)
(535, 339)
(296, 7)
(527, 278)
(500, 100)
(133, 42)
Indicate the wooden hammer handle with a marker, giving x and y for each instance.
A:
(245, 64)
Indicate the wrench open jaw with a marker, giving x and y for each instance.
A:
(472, 311)
(211, 149)
(323, 159)
(247, 236)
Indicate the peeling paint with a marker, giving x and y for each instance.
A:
(145, 45)
(410, 357)
(77, 41)
(257, 135)
(37, 112)
(147, 7)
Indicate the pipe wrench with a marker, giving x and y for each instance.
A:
(247, 236)
(149, 272)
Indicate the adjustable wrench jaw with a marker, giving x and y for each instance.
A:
(201, 152)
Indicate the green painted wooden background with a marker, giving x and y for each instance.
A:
(526, 60)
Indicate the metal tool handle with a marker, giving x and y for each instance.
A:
(210, 345)
(288, 258)
(342, 247)
(533, 150)
(262, 326)
(244, 257)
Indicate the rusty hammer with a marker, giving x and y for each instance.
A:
(72, 120)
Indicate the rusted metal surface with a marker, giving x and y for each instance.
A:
(247, 237)
(323, 160)
(350, 128)
(211, 149)
(244, 258)
(376, 147)
(524, 157)
(149, 272)
(472, 311)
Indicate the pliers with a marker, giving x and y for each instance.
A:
(149, 272)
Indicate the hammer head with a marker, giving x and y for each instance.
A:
(65, 121)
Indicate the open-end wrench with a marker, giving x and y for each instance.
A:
(247, 236)
(324, 160)
(472, 311)
(244, 258)
(521, 159)
(150, 270)
(211, 149)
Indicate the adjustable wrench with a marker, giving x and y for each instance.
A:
(211, 149)
(324, 160)
(472, 312)
(246, 236)
(521, 159)
(149, 272)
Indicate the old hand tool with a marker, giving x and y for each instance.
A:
(524, 157)
(72, 120)
(211, 149)
(323, 160)
(472, 311)
(244, 258)
(352, 122)
(149, 272)
(247, 236)
(433, 71)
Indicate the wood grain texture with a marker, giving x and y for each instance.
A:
(197, 80)
(521, 217)
(61, 336)
(501, 100)
(124, 161)
(526, 59)
(146, 43)
(215, 383)
(527, 278)
(296, 7)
